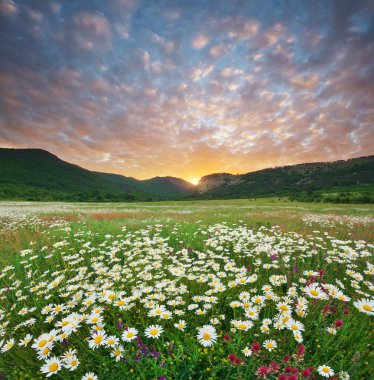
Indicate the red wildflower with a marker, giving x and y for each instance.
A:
(326, 310)
(274, 367)
(301, 349)
(338, 323)
(237, 361)
(262, 372)
(306, 373)
(256, 347)
(232, 357)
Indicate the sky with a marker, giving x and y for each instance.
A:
(188, 88)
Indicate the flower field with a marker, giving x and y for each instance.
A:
(167, 298)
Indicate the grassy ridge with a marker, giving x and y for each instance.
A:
(37, 175)
(350, 181)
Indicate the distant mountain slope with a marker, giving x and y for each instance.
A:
(35, 174)
(40, 174)
(159, 187)
(352, 175)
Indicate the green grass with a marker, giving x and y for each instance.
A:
(185, 225)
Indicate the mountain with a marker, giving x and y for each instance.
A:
(37, 174)
(312, 181)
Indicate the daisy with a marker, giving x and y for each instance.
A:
(344, 375)
(207, 335)
(270, 344)
(51, 366)
(247, 351)
(153, 331)
(298, 336)
(89, 376)
(252, 313)
(315, 291)
(181, 325)
(111, 341)
(45, 352)
(97, 340)
(295, 325)
(40, 342)
(69, 354)
(26, 340)
(129, 334)
(72, 363)
(7, 345)
(117, 353)
(325, 371)
(365, 306)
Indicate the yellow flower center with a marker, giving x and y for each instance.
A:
(74, 363)
(154, 332)
(314, 292)
(65, 323)
(325, 369)
(98, 339)
(367, 308)
(130, 334)
(42, 343)
(206, 336)
(53, 367)
(121, 303)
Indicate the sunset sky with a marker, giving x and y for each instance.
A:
(188, 88)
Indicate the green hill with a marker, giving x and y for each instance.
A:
(35, 174)
(339, 181)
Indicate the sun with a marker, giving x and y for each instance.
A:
(193, 180)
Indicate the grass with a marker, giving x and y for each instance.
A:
(191, 248)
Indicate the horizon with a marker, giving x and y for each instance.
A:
(188, 89)
(198, 180)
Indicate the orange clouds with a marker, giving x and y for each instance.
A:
(142, 90)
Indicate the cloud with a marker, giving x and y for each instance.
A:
(91, 30)
(158, 90)
(8, 7)
(200, 41)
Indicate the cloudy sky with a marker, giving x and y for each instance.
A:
(188, 88)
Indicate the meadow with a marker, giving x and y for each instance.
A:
(237, 289)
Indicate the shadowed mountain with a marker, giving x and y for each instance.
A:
(37, 174)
